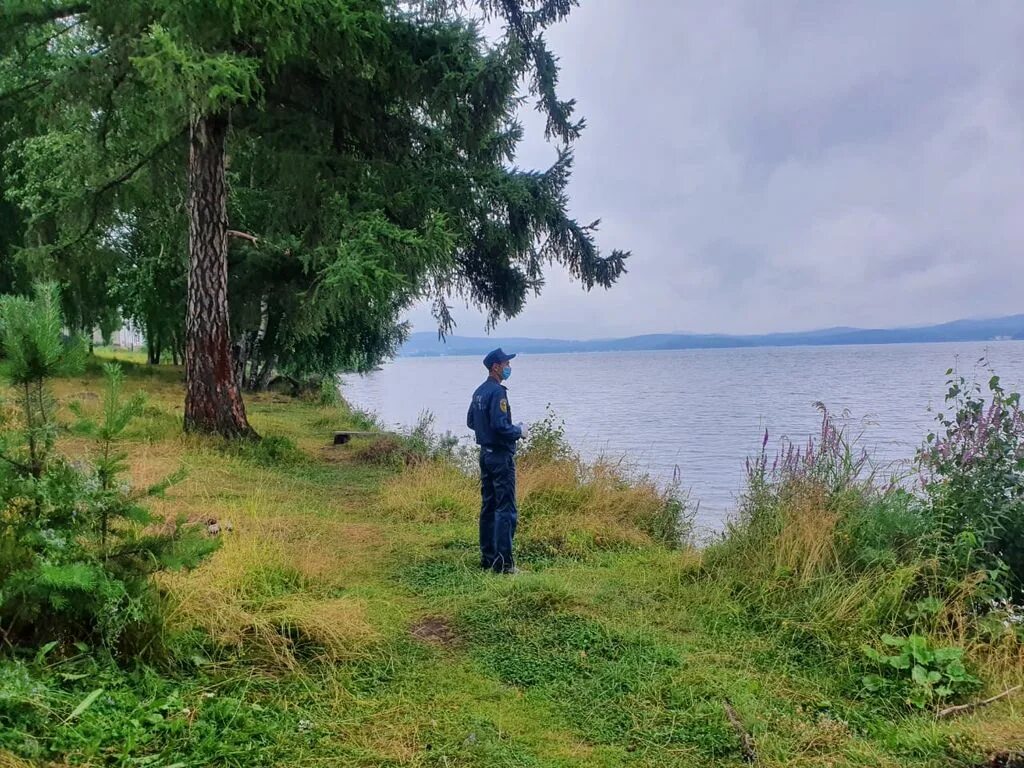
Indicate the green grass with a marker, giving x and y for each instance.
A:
(343, 622)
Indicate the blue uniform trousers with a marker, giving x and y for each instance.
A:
(498, 514)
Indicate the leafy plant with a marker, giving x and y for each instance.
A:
(889, 530)
(425, 441)
(546, 442)
(924, 608)
(85, 709)
(972, 474)
(917, 672)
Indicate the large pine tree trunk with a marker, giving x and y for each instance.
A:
(213, 402)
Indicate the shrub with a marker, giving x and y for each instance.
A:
(567, 508)
(571, 507)
(419, 444)
(833, 461)
(972, 473)
(423, 440)
(75, 547)
(385, 451)
(824, 551)
(819, 546)
(887, 531)
(545, 441)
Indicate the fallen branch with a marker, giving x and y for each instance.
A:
(961, 708)
(746, 740)
(243, 236)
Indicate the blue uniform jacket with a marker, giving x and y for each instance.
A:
(490, 417)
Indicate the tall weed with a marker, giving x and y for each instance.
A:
(820, 545)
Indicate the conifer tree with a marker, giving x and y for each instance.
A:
(375, 140)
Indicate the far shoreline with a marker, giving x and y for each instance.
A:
(720, 348)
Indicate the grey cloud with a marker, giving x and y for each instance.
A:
(792, 164)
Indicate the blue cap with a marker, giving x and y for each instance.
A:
(496, 356)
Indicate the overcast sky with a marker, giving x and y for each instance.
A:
(789, 165)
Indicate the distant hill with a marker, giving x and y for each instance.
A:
(427, 344)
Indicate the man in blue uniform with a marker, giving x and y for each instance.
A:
(490, 418)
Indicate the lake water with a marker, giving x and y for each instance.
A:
(699, 412)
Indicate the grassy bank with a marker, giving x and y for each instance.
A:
(343, 621)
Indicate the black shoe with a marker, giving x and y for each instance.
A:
(509, 571)
(486, 566)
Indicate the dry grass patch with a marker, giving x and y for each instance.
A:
(431, 492)
(569, 509)
(7, 760)
(1003, 662)
(150, 463)
(328, 552)
(805, 544)
(270, 592)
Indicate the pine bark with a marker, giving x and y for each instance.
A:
(213, 400)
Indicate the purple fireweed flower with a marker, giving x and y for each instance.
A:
(968, 456)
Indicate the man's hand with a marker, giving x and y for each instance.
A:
(523, 431)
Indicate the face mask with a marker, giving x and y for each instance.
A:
(506, 372)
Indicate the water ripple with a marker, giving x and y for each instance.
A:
(703, 411)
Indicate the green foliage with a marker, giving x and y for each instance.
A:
(371, 156)
(88, 710)
(415, 445)
(825, 551)
(117, 414)
(269, 451)
(424, 442)
(546, 442)
(13, 275)
(918, 673)
(32, 341)
(328, 394)
(829, 474)
(77, 544)
(149, 283)
(972, 471)
(886, 531)
(672, 523)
